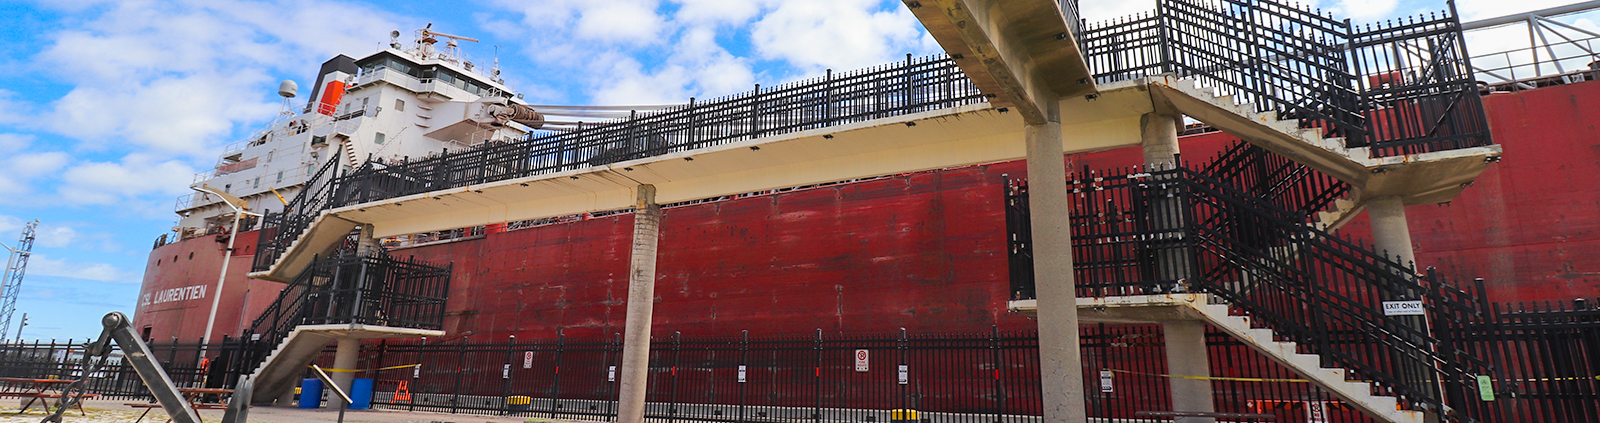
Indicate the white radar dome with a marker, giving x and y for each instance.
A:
(288, 89)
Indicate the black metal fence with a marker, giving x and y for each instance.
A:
(348, 288)
(947, 377)
(1399, 87)
(182, 361)
(1547, 361)
(1142, 231)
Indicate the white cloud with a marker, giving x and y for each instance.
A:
(179, 77)
(719, 11)
(837, 34)
(135, 176)
(56, 236)
(1365, 10)
(24, 164)
(41, 265)
(1098, 11)
(628, 22)
(1479, 9)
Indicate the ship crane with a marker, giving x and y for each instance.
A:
(427, 40)
(11, 282)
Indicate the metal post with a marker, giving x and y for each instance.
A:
(505, 382)
(641, 297)
(744, 353)
(222, 277)
(555, 389)
(816, 410)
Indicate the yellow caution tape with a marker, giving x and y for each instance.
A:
(1237, 379)
(1553, 379)
(373, 370)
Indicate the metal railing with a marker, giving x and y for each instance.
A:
(1400, 87)
(346, 288)
(916, 85)
(63, 360)
(1140, 231)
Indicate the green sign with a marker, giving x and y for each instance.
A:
(1485, 388)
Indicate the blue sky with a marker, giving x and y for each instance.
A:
(108, 109)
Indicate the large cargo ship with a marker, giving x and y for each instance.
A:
(412, 138)
(924, 251)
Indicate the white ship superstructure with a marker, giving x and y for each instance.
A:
(391, 105)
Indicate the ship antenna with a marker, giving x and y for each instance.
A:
(494, 73)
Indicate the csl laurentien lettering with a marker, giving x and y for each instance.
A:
(175, 294)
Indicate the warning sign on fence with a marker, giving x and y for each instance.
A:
(861, 360)
(527, 359)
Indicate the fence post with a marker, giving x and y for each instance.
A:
(461, 358)
(755, 113)
(615, 346)
(999, 390)
(555, 390)
(505, 380)
(693, 121)
(672, 405)
(744, 353)
(909, 77)
(827, 98)
(816, 411)
(904, 361)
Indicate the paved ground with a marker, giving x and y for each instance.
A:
(114, 412)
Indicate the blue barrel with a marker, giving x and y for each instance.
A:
(361, 394)
(311, 393)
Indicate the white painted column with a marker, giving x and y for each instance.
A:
(1158, 136)
(344, 358)
(641, 304)
(1061, 361)
(1186, 356)
(1390, 233)
(1185, 339)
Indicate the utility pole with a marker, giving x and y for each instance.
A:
(11, 281)
(20, 326)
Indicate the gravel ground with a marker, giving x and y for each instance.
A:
(110, 411)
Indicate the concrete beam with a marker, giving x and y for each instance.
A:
(1019, 51)
(937, 139)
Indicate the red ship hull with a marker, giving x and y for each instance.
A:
(923, 251)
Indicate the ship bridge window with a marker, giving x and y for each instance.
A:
(399, 105)
(280, 176)
(378, 138)
(258, 182)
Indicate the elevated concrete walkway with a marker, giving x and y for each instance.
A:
(1161, 308)
(278, 373)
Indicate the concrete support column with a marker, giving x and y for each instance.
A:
(1060, 359)
(344, 358)
(1158, 135)
(1186, 356)
(641, 303)
(1390, 233)
(366, 245)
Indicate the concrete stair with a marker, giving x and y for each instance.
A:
(278, 373)
(1424, 178)
(1146, 309)
(1284, 137)
(1339, 213)
(1333, 380)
